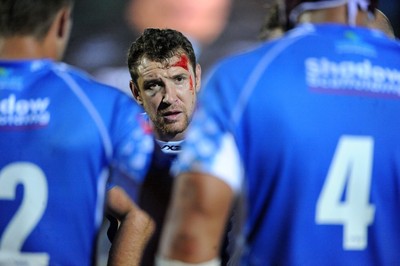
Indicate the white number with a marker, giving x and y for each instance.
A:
(349, 176)
(33, 205)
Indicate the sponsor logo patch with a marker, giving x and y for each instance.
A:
(357, 77)
(31, 112)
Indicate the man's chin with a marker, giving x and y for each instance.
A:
(173, 129)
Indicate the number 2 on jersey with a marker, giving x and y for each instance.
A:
(344, 199)
(30, 212)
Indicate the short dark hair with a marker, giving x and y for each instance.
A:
(158, 45)
(29, 17)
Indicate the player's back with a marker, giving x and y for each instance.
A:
(58, 130)
(316, 123)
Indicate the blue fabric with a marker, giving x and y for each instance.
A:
(65, 131)
(292, 106)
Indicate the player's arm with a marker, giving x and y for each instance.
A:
(196, 220)
(134, 230)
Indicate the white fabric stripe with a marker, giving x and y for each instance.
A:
(307, 6)
(257, 74)
(161, 261)
(352, 8)
(229, 155)
(101, 188)
(92, 111)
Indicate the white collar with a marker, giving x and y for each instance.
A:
(170, 146)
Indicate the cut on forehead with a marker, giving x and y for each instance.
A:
(159, 45)
(177, 59)
(147, 64)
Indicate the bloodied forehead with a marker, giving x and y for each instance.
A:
(182, 62)
(175, 61)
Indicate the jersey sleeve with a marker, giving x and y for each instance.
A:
(132, 140)
(210, 145)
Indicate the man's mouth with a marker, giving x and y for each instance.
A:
(171, 115)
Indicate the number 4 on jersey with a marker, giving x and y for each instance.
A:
(344, 199)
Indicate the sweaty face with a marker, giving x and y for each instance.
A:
(167, 92)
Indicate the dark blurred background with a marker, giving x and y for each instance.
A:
(103, 32)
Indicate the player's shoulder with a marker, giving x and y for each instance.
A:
(75, 76)
(341, 32)
(104, 96)
(260, 53)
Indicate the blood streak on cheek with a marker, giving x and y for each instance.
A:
(183, 62)
(191, 83)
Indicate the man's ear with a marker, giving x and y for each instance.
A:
(64, 22)
(135, 92)
(198, 77)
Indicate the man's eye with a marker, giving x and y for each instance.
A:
(153, 86)
(180, 79)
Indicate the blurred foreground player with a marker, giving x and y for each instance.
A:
(60, 134)
(303, 132)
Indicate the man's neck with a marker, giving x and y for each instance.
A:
(24, 47)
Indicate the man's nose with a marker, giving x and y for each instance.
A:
(169, 93)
